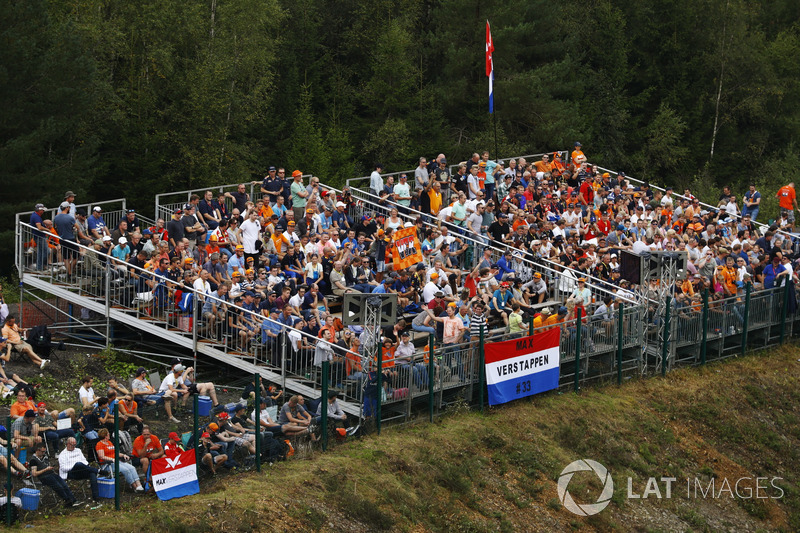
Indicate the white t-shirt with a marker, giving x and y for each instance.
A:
(250, 231)
(88, 394)
(169, 380)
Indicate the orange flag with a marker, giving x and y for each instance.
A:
(407, 251)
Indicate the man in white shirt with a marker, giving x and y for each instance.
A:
(172, 386)
(250, 232)
(431, 288)
(375, 180)
(86, 393)
(73, 465)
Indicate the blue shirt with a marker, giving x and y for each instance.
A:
(502, 301)
(95, 223)
(36, 218)
(769, 275)
(505, 268)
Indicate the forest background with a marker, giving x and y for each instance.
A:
(113, 99)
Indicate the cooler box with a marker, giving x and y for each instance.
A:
(203, 406)
(105, 487)
(30, 499)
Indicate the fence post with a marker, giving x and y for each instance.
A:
(195, 302)
(195, 423)
(704, 340)
(8, 475)
(326, 366)
(746, 321)
(108, 302)
(116, 456)
(665, 342)
(430, 377)
(482, 364)
(784, 312)
(379, 356)
(578, 348)
(257, 413)
(620, 316)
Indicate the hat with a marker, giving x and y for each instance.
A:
(177, 211)
(131, 210)
(41, 404)
(620, 227)
(249, 271)
(97, 208)
(578, 144)
(606, 175)
(503, 215)
(296, 173)
(122, 240)
(148, 232)
(223, 415)
(547, 311)
(434, 275)
(205, 435)
(68, 194)
(420, 267)
(309, 210)
(179, 368)
(140, 371)
(250, 294)
(482, 164)
(174, 436)
(562, 310)
(39, 207)
(64, 205)
(30, 413)
(408, 225)
(581, 280)
(236, 274)
(272, 169)
(213, 426)
(452, 304)
(188, 260)
(439, 294)
(505, 285)
(341, 204)
(291, 223)
(239, 247)
(274, 310)
(405, 334)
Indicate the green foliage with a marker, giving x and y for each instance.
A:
(129, 99)
(117, 363)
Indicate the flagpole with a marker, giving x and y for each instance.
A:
(490, 75)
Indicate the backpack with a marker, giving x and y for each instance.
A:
(273, 450)
(125, 442)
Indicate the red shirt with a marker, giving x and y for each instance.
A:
(172, 448)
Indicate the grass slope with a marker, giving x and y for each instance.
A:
(498, 471)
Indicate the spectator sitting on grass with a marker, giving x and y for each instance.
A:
(146, 447)
(47, 475)
(105, 456)
(209, 453)
(143, 390)
(173, 446)
(235, 431)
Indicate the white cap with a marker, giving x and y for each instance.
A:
(64, 205)
(97, 208)
(341, 204)
(122, 240)
(408, 225)
(106, 237)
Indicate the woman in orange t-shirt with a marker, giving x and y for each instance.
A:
(105, 456)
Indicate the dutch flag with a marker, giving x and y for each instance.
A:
(490, 66)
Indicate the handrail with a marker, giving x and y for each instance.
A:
(763, 227)
(140, 272)
(596, 283)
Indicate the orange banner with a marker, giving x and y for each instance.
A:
(407, 251)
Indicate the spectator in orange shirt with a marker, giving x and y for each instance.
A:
(12, 332)
(788, 202)
(146, 447)
(21, 405)
(576, 155)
